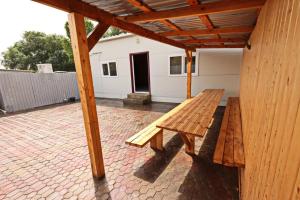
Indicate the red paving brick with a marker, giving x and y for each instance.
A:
(44, 155)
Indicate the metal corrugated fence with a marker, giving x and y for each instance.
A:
(24, 90)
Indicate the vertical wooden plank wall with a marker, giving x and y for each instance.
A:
(270, 98)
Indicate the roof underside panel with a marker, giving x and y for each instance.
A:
(116, 7)
(179, 38)
(189, 23)
(155, 26)
(166, 4)
(232, 19)
(220, 20)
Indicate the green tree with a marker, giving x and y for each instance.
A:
(89, 27)
(36, 48)
(112, 31)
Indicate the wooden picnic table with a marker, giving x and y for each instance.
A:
(194, 118)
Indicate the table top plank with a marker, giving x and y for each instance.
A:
(195, 117)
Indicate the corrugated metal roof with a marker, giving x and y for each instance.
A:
(189, 23)
(220, 20)
(231, 19)
(179, 38)
(166, 4)
(117, 7)
(155, 26)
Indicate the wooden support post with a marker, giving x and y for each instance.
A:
(85, 84)
(189, 73)
(189, 141)
(156, 142)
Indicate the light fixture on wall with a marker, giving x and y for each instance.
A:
(248, 45)
(137, 40)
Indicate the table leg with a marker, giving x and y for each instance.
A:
(189, 141)
(156, 142)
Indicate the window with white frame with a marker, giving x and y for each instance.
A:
(109, 68)
(178, 65)
(175, 65)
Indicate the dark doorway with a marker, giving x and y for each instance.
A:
(140, 72)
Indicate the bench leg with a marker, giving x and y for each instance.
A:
(189, 141)
(156, 142)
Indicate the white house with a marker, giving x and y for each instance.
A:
(128, 63)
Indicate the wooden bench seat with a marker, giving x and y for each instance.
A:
(153, 134)
(150, 133)
(230, 149)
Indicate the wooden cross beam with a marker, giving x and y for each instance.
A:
(244, 29)
(215, 40)
(99, 15)
(197, 10)
(220, 46)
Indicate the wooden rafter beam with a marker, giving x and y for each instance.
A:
(204, 18)
(144, 7)
(245, 29)
(97, 33)
(220, 46)
(206, 21)
(99, 15)
(197, 10)
(193, 2)
(215, 40)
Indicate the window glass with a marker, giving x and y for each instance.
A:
(105, 69)
(193, 64)
(113, 69)
(175, 65)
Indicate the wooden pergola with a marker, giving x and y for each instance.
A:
(184, 24)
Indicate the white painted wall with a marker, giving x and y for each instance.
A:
(217, 68)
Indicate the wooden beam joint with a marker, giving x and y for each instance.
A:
(97, 33)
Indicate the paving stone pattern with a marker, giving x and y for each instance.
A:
(44, 155)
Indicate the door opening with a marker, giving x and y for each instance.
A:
(140, 72)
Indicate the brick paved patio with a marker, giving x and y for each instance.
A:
(43, 154)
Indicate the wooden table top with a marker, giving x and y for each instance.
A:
(195, 117)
